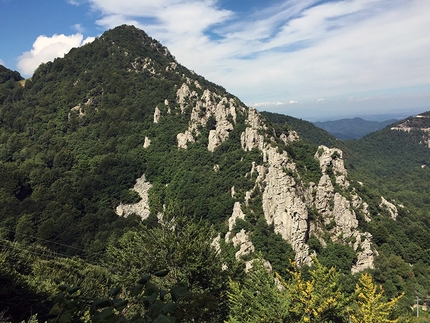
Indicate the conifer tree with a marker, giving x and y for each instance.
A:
(318, 299)
(258, 298)
(372, 308)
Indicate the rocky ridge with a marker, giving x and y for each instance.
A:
(286, 197)
(420, 123)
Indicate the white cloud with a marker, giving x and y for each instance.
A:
(263, 104)
(306, 49)
(1, 62)
(47, 48)
(79, 28)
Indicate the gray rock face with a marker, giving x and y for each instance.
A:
(286, 199)
(390, 207)
(141, 208)
(338, 210)
(241, 238)
(147, 142)
(157, 115)
(209, 107)
(282, 203)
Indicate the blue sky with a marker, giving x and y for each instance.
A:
(316, 60)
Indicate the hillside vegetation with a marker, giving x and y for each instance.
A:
(218, 188)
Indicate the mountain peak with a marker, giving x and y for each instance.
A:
(130, 36)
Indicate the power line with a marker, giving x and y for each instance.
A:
(8, 245)
(50, 254)
(56, 243)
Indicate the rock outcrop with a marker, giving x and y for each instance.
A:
(338, 211)
(285, 198)
(390, 207)
(419, 123)
(207, 110)
(140, 208)
(281, 201)
(241, 238)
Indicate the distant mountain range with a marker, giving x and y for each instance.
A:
(355, 128)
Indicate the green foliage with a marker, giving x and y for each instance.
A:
(257, 298)
(30, 276)
(262, 298)
(305, 129)
(272, 246)
(337, 255)
(146, 302)
(184, 248)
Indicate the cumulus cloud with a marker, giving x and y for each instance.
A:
(1, 62)
(47, 48)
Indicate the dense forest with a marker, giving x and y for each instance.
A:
(72, 144)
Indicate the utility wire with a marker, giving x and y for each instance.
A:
(49, 253)
(8, 245)
(53, 242)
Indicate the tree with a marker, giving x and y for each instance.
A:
(183, 246)
(258, 298)
(146, 303)
(318, 299)
(372, 308)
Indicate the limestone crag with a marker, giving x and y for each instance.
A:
(240, 239)
(79, 110)
(390, 207)
(140, 208)
(337, 210)
(324, 194)
(283, 205)
(285, 198)
(281, 201)
(237, 214)
(207, 110)
(366, 256)
(157, 115)
(147, 142)
(252, 137)
(184, 138)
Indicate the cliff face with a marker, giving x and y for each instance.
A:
(286, 199)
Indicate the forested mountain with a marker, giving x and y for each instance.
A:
(355, 128)
(117, 162)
